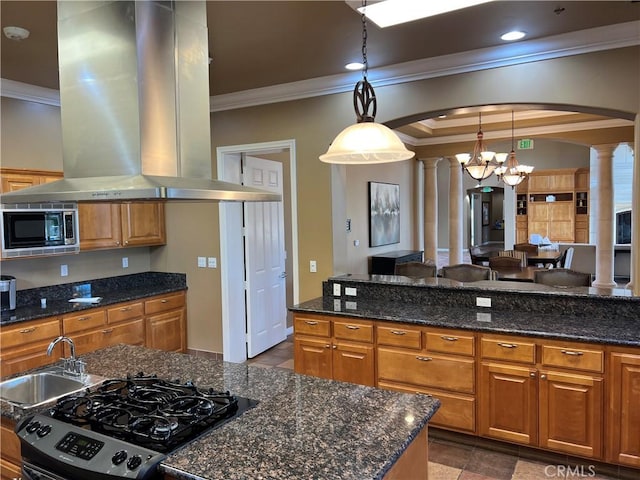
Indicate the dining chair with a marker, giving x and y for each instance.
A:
(516, 254)
(495, 263)
(526, 247)
(562, 277)
(465, 272)
(568, 258)
(474, 253)
(416, 270)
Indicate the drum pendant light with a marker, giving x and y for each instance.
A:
(366, 142)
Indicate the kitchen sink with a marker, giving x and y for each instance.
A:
(34, 389)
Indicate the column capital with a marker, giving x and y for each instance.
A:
(430, 162)
(605, 148)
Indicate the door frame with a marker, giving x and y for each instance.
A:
(233, 306)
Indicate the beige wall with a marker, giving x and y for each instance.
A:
(607, 80)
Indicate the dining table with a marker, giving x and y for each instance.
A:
(520, 274)
(544, 257)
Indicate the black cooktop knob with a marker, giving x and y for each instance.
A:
(119, 457)
(134, 462)
(33, 426)
(44, 430)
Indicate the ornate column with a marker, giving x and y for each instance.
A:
(419, 205)
(605, 217)
(430, 209)
(634, 284)
(455, 212)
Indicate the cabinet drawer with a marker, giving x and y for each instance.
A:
(569, 356)
(507, 349)
(162, 304)
(125, 311)
(130, 333)
(29, 356)
(309, 325)
(450, 343)
(353, 330)
(28, 332)
(457, 412)
(10, 442)
(83, 321)
(435, 371)
(399, 336)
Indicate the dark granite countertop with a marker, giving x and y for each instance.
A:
(112, 290)
(303, 427)
(623, 331)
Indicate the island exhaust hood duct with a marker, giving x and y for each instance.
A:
(134, 98)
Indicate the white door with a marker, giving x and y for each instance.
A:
(264, 258)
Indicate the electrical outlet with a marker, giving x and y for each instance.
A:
(483, 317)
(351, 305)
(125, 262)
(356, 243)
(212, 262)
(483, 302)
(313, 266)
(64, 270)
(351, 291)
(202, 262)
(336, 305)
(336, 289)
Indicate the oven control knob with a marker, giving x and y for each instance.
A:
(44, 430)
(33, 426)
(134, 462)
(119, 457)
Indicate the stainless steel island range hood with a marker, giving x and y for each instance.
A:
(134, 96)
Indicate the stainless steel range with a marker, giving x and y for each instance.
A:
(122, 429)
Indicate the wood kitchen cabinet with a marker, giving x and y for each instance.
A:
(12, 179)
(165, 322)
(339, 349)
(97, 328)
(10, 457)
(433, 361)
(623, 415)
(24, 345)
(542, 393)
(117, 225)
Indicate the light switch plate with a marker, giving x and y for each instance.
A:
(351, 291)
(202, 262)
(64, 270)
(313, 266)
(483, 302)
(336, 290)
(212, 262)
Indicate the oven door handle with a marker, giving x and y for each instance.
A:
(31, 472)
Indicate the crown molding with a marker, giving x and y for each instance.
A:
(575, 43)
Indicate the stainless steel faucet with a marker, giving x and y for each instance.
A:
(72, 365)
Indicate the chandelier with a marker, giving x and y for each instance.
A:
(482, 162)
(512, 173)
(366, 141)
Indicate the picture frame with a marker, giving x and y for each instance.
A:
(384, 214)
(485, 214)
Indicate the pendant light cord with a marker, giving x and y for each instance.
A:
(512, 133)
(365, 63)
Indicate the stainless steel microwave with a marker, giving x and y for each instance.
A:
(39, 229)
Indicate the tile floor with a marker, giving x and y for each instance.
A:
(461, 457)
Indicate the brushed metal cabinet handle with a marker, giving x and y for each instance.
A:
(125, 309)
(449, 339)
(108, 330)
(572, 352)
(83, 319)
(353, 327)
(28, 330)
(423, 359)
(164, 300)
(310, 322)
(507, 345)
(398, 332)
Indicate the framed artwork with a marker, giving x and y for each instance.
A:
(485, 214)
(384, 214)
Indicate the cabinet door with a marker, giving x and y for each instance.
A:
(562, 182)
(539, 183)
(508, 403)
(624, 415)
(561, 222)
(11, 183)
(571, 413)
(538, 214)
(142, 224)
(99, 225)
(313, 357)
(130, 333)
(166, 331)
(354, 363)
(16, 360)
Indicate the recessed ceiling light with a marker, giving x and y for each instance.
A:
(354, 66)
(513, 35)
(393, 12)
(15, 33)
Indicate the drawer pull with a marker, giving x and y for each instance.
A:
(83, 319)
(164, 300)
(507, 345)
(572, 352)
(532, 374)
(424, 359)
(310, 322)
(353, 327)
(543, 376)
(327, 346)
(108, 330)
(335, 346)
(125, 309)
(449, 339)
(28, 330)
(398, 332)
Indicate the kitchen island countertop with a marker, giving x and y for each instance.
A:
(303, 427)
